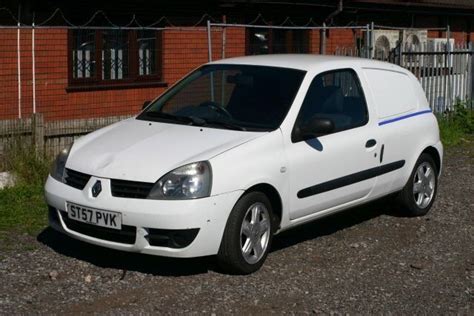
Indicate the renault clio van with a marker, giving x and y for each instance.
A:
(244, 148)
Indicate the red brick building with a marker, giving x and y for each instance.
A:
(101, 70)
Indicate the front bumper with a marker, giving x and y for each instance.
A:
(205, 218)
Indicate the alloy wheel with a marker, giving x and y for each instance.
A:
(255, 233)
(424, 183)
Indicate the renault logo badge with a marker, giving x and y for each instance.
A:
(96, 188)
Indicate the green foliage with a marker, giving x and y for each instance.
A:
(22, 207)
(22, 210)
(464, 117)
(454, 126)
(27, 166)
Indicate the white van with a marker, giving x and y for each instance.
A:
(244, 148)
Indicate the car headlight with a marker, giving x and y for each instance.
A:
(191, 181)
(57, 170)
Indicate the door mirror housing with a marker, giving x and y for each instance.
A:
(145, 104)
(312, 128)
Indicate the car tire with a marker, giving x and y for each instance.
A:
(248, 235)
(419, 193)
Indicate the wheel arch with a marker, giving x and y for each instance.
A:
(433, 152)
(275, 199)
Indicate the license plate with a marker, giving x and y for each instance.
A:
(94, 216)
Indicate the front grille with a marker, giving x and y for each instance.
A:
(130, 189)
(126, 235)
(76, 179)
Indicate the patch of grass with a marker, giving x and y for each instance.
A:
(22, 207)
(22, 210)
(451, 133)
(457, 125)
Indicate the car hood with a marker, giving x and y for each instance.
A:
(145, 151)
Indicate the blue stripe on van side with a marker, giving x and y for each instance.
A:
(403, 117)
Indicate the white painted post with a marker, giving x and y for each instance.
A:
(447, 80)
(322, 40)
(224, 42)
(18, 68)
(33, 66)
(209, 48)
(367, 44)
(372, 44)
(209, 41)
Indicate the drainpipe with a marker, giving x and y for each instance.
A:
(340, 7)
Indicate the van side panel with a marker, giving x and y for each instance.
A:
(392, 91)
(405, 123)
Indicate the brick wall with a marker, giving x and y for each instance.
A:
(460, 37)
(183, 50)
(8, 74)
(339, 38)
(314, 41)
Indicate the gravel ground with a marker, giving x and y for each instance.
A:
(365, 260)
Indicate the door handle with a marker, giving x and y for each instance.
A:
(370, 143)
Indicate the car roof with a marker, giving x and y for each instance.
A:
(307, 62)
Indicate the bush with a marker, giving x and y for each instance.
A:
(22, 207)
(27, 166)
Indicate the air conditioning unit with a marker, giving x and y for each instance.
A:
(414, 40)
(440, 45)
(383, 42)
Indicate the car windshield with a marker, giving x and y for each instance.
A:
(240, 97)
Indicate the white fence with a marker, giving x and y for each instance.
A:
(446, 76)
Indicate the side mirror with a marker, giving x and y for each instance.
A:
(145, 104)
(312, 128)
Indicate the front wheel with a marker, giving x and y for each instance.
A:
(248, 235)
(419, 193)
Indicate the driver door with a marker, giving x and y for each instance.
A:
(336, 168)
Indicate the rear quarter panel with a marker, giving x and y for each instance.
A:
(407, 138)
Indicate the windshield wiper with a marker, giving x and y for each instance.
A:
(227, 125)
(193, 120)
(174, 118)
